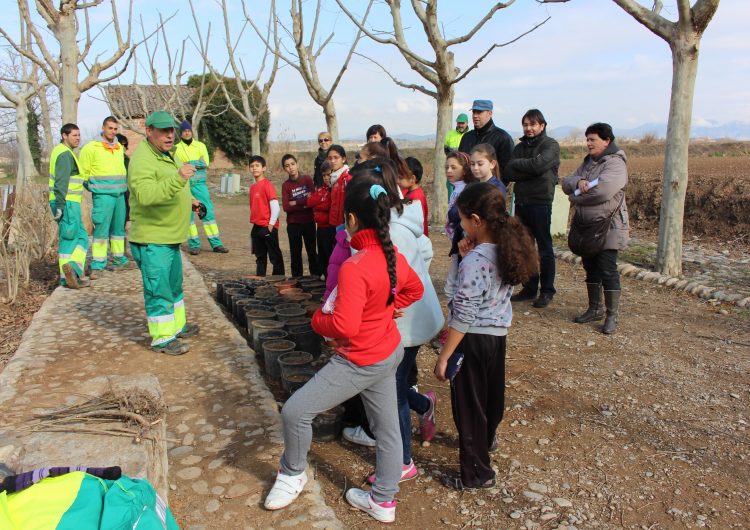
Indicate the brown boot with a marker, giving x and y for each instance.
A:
(594, 311)
(612, 301)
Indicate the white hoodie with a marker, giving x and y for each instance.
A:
(424, 318)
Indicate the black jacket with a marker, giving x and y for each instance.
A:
(533, 167)
(493, 135)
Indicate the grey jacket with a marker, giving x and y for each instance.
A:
(481, 303)
(599, 202)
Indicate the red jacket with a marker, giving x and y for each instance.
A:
(418, 195)
(361, 321)
(320, 202)
(336, 214)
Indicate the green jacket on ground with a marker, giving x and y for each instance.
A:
(159, 198)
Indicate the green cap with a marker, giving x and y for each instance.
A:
(462, 118)
(161, 120)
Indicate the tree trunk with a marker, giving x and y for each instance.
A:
(255, 138)
(439, 203)
(70, 93)
(332, 124)
(46, 124)
(684, 70)
(26, 170)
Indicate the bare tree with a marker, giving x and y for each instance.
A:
(128, 102)
(18, 85)
(62, 68)
(249, 111)
(440, 71)
(305, 57)
(683, 36)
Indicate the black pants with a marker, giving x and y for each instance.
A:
(265, 245)
(326, 244)
(299, 233)
(602, 268)
(478, 402)
(538, 219)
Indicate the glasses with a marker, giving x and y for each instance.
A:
(321, 140)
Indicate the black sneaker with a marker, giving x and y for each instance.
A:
(221, 249)
(173, 347)
(543, 300)
(525, 294)
(190, 330)
(194, 251)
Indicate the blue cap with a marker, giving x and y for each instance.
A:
(482, 104)
(185, 125)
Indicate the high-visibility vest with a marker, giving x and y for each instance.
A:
(193, 154)
(453, 138)
(75, 184)
(104, 168)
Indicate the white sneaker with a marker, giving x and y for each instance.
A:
(285, 490)
(357, 435)
(385, 512)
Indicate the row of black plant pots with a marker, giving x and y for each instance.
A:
(273, 313)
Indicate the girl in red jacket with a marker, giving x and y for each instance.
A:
(374, 286)
(320, 202)
(340, 177)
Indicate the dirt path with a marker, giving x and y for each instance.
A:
(643, 429)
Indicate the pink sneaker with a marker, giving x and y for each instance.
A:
(408, 472)
(427, 421)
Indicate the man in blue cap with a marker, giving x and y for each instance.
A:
(486, 132)
(191, 151)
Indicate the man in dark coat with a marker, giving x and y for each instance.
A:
(486, 132)
(533, 168)
(324, 142)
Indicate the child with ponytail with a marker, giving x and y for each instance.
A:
(373, 286)
(497, 253)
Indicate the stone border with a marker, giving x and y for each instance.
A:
(702, 291)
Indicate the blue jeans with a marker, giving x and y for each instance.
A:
(408, 399)
(538, 219)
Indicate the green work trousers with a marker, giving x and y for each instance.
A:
(199, 190)
(161, 271)
(108, 217)
(73, 240)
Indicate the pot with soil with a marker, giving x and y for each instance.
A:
(263, 325)
(221, 288)
(272, 350)
(290, 291)
(240, 307)
(306, 339)
(317, 294)
(311, 307)
(265, 336)
(327, 425)
(286, 314)
(297, 380)
(275, 278)
(256, 314)
(309, 285)
(295, 322)
(284, 284)
(293, 363)
(299, 298)
(231, 294)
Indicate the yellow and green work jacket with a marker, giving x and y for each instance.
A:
(103, 168)
(193, 154)
(159, 198)
(65, 182)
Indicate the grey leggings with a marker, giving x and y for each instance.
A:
(336, 382)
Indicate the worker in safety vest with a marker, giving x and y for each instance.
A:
(193, 152)
(160, 205)
(65, 192)
(453, 140)
(102, 163)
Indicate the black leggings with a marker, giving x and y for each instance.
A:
(602, 269)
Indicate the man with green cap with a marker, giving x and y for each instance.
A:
(453, 140)
(160, 204)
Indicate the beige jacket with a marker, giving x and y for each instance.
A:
(600, 201)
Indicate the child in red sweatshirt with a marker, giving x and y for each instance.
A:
(374, 285)
(320, 202)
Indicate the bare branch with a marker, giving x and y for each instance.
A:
(485, 54)
(480, 24)
(653, 21)
(410, 86)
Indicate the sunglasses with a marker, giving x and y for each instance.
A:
(321, 140)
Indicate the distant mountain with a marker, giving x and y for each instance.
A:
(735, 130)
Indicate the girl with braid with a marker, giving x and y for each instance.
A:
(497, 252)
(374, 286)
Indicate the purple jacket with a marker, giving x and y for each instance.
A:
(341, 252)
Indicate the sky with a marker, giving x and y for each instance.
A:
(589, 62)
